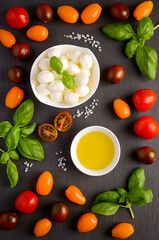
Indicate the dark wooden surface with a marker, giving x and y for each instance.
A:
(146, 218)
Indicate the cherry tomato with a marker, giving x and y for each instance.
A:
(121, 108)
(59, 211)
(87, 222)
(17, 17)
(44, 13)
(42, 227)
(75, 195)
(144, 99)
(44, 183)
(63, 121)
(68, 14)
(15, 74)
(47, 132)
(8, 220)
(37, 33)
(26, 202)
(146, 155)
(143, 10)
(122, 230)
(146, 127)
(21, 51)
(115, 74)
(7, 38)
(119, 11)
(91, 13)
(14, 97)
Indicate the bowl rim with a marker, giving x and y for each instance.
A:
(85, 170)
(37, 95)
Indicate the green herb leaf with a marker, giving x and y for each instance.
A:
(24, 113)
(119, 31)
(68, 80)
(31, 148)
(12, 138)
(26, 131)
(5, 127)
(109, 196)
(14, 154)
(132, 46)
(4, 158)
(137, 179)
(12, 173)
(146, 59)
(121, 191)
(56, 65)
(145, 28)
(140, 196)
(105, 208)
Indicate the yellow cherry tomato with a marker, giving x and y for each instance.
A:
(37, 33)
(91, 13)
(121, 108)
(44, 183)
(7, 38)
(42, 227)
(68, 14)
(143, 10)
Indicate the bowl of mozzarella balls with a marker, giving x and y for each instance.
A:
(65, 76)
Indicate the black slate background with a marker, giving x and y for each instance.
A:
(146, 217)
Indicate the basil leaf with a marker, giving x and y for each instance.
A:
(140, 196)
(56, 65)
(121, 191)
(145, 28)
(109, 196)
(105, 208)
(5, 127)
(146, 59)
(24, 113)
(119, 31)
(132, 46)
(31, 148)
(14, 154)
(12, 173)
(68, 80)
(26, 131)
(12, 138)
(4, 158)
(137, 179)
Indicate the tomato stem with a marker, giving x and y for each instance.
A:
(156, 26)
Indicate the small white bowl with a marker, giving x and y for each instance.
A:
(93, 81)
(74, 152)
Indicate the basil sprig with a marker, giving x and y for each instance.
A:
(146, 57)
(108, 203)
(16, 139)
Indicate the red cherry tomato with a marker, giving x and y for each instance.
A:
(63, 121)
(146, 127)
(119, 11)
(144, 99)
(26, 202)
(47, 132)
(17, 17)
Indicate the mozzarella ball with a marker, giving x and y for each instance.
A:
(82, 91)
(56, 86)
(73, 69)
(56, 75)
(66, 90)
(56, 97)
(44, 64)
(86, 61)
(64, 61)
(45, 76)
(43, 90)
(86, 71)
(71, 98)
(53, 53)
(74, 56)
(81, 79)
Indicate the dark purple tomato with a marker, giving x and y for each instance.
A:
(146, 155)
(119, 11)
(44, 13)
(59, 211)
(15, 74)
(115, 74)
(21, 51)
(8, 220)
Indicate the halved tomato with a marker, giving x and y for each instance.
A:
(47, 132)
(63, 121)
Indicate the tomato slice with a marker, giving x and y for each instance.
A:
(47, 132)
(63, 121)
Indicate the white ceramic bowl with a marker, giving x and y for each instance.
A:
(74, 152)
(93, 81)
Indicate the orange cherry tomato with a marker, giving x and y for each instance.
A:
(87, 222)
(47, 132)
(37, 33)
(122, 230)
(7, 38)
(91, 13)
(42, 227)
(143, 10)
(75, 195)
(44, 183)
(121, 109)
(63, 121)
(68, 14)
(14, 97)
